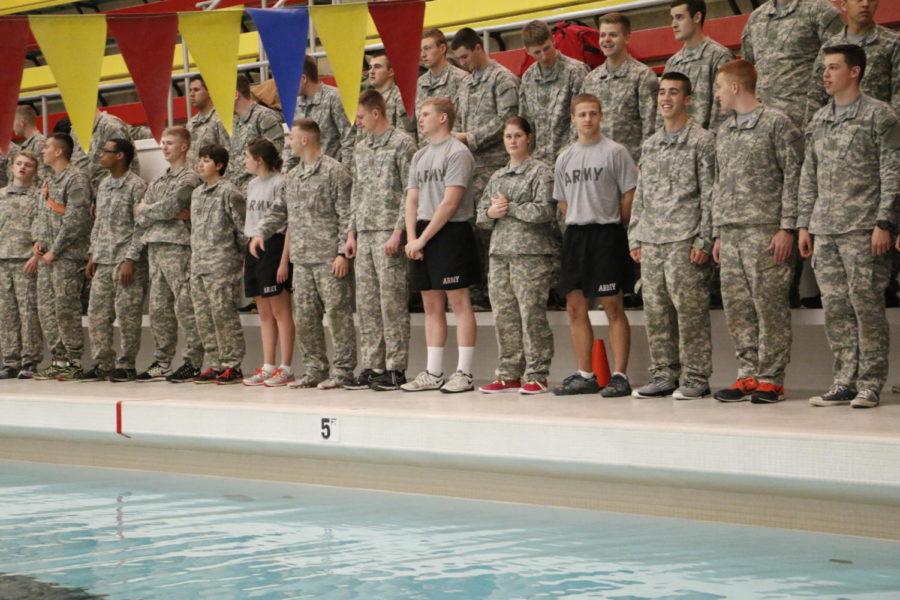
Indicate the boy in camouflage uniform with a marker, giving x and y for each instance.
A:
(759, 151)
(380, 171)
(251, 121)
(442, 79)
(206, 127)
(315, 205)
(848, 192)
(21, 342)
(670, 234)
(381, 79)
(117, 267)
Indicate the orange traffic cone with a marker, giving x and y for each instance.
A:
(599, 363)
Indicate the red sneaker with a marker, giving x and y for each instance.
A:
(208, 375)
(738, 391)
(500, 386)
(534, 387)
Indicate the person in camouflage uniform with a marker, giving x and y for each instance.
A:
(782, 38)
(6, 162)
(117, 267)
(699, 59)
(21, 342)
(380, 172)
(670, 234)
(758, 153)
(205, 127)
(441, 79)
(547, 89)
(164, 216)
(106, 127)
(381, 79)
(218, 210)
(321, 103)
(315, 205)
(848, 191)
(517, 205)
(626, 87)
(62, 233)
(25, 126)
(251, 121)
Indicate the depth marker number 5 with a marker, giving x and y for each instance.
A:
(329, 429)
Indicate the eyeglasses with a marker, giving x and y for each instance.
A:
(108, 151)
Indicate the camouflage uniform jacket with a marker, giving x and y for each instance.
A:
(115, 236)
(544, 99)
(167, 195)
(325, 108)
(673, 200)
(380, 174)
(67, 235)
(6, 163)
(35, 145)
(628, 97)
(851, 175)
(217, 228)
(701, 65)
(106, 127)
(396, 112)
(882, 77)
(445, 85)
(486, 100)
(18, 207)
(315, 204)
(783, 45)
(528, 226)
(758, 170)
(205, 130)
(258, 122)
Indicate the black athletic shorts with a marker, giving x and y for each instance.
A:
(451, 259)
(260, 273)
(595, 260)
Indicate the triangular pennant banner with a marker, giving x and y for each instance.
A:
(212, 38)
(342, 29)
(284, 34)
(147, 44)
(74, 47)
(400, 28)
(14, 37)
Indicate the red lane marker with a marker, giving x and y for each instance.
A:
(119, 420)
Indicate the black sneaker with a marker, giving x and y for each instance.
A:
(93, 374)
(9, 373)
(28, 370)
(576, 384)
(617, 387)
(184, 374)
(122, 375)
(155, 372)
(250, 308)
(389, 381)
(364, 380)
(208, 375)
(230, 375)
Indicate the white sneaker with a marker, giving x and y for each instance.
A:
(458, 382)
(865, 399)
(258, 378)
(423, 382)
(279, 378)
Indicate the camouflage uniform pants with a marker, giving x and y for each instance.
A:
(676, 305)
(21, 340)
(755, 297)
(519, 288)
(318, 293)
(382, 308)
(110, 300)
(218, 320)
(170, 302)
(59, 308)
(852, 283)
(47, 314)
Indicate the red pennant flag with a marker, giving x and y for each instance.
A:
(14, 38)
(147, 43)
(400, 28)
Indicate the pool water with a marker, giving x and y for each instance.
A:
(75, 532)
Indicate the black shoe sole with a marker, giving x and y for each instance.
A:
(382, 388)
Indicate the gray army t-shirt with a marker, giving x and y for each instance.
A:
(592, 178)
(435, 167)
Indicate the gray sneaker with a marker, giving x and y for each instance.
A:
(458, 382)
(306, 381)
(617, 387)
(837, 395)
(658, 387)
(423, 382)
(865, 399)
(576, 384)
(692, 390)
(335, 382)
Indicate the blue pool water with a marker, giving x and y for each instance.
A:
(83, 533)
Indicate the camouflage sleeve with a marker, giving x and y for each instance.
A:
(355, 191)
(271, 128)
(136, 247)
(170, 205)
(482, 220)
(789, 154)
(237, 210)
(342, 182)
(816, 98)
(889, 166)
(76, 223)
(808, 189)
(276, 217)
(538, 207)
(637, 209)
(716, 116)
(747, 44)
(706, 177)
(343, 125)
(648, 88)
(506, 97)
(404, 159)
(828, 21)
(895, 76)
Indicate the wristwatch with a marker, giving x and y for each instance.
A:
(886, 225)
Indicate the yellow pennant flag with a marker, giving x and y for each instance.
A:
(212, 38)
(74, 47)
(342, 29)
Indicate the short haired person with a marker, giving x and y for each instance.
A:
(381, 162)
(117, 267)
(322, 103)
(442, 79)
(848, 193)
(381, 79)
(106, 127)
(781, 39)
(217, 252)
(670, 235)
(625, 86)
(441, 245)
(21, 343)
(699, 58)
(205, 127)
(547, 89)
(251, 121)
(759, 151)
(164, 214)
(594, 185)
(62, 237)
(315, 205)
(25, 127)
(517, 204)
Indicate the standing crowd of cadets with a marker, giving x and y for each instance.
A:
(706, 165)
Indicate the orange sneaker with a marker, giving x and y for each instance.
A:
(739, 391)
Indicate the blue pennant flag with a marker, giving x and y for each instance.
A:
(284, 33)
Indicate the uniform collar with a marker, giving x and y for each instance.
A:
(691, 54)
(511, 170)
(206, 189)
(870, 37)
(17, 189)
(246, 116)
(116, 182)
(201, 118)
(789, 7)
(851, 111)
(620, 71)
(483, 74)
(377, 141)
(755, 115)
(680, 136)
(553, 73)
(305, 171)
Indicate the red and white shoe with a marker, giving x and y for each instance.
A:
(258, 378)
(534, 387)
(500, 386)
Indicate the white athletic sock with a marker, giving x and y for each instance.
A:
(286, 369)
(435, 361)
(466, 354)
(585, 374)
(267, 368)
